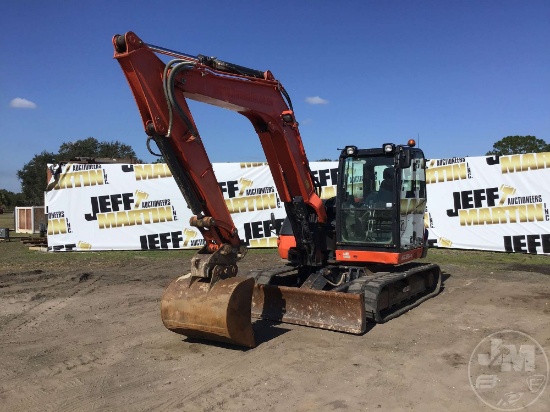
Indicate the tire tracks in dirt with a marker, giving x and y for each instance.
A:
(32, 317)
(66, 385)
(230, 373)
(29, 320)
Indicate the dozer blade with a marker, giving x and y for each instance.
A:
(339, 311)
(221, 313)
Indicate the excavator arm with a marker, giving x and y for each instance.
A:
(211, 302)
(161, 89)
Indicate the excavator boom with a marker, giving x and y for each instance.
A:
(160, 90)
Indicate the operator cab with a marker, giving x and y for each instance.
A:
(378, 213)
(381, 199)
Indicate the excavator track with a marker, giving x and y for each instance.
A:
(389, 295)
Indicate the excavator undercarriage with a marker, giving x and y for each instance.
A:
(377, 294)
(222, 312)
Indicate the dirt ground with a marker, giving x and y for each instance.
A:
(89, 337)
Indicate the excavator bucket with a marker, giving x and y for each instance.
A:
(344, 312)
(221, 312)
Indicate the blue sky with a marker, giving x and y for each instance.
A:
(459, 74)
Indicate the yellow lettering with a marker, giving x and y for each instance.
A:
(264, 242)
(161, 170)
(57, 226)
(95, 177)
(434, 175)
(146, 216)
(75, 176)
(499, 215)
(460, 171)
(512, 213)
(521, 163)
(106, 220)
(269, 201)
(535, 212)
(236, 205)
(528, 161)
(468, 217)
(122, 219)
(188, 234)
(246, 165)
(135, 217)
(447, 173)
(143, 172)
(543, 159)
(251, 203)
(245, 184)
(509, 164)
(165, 214)
(484, 217)
(79, 179)
(502, 214)
(154, 213)
(64, 182)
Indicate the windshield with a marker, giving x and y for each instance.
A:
(367, 205)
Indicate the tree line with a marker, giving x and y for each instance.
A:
(33, 173)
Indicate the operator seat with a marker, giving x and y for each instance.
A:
(387, 186)
(388, 179)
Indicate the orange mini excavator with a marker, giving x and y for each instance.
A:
(349, 258)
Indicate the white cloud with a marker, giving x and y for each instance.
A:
(19, 103)
(316, 100)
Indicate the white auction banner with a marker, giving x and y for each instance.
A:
(497, 203)
(483, 203)
(139, 207)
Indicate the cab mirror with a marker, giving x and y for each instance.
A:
(404, 158)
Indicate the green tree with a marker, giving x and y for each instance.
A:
(33, 175)
(6, 199)
(517, 145)
(91, 147)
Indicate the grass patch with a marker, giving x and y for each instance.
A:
(488, 260)
(7, 220)
(15, 255)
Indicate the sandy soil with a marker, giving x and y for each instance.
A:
(91, 338)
